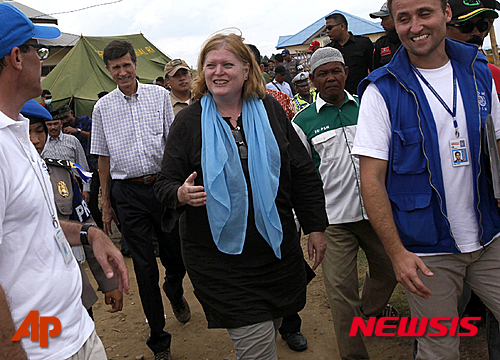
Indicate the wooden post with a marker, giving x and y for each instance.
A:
(494, 46)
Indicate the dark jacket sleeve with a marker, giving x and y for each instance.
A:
(308, 199)
(176, 164)
(376, 55)
(369, 54)
(105, 284)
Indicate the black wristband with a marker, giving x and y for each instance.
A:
(84, 239)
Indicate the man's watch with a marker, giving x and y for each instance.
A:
(79, 130)
(84, 232)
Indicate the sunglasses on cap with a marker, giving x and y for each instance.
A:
(41, 50)
(468, 26)
(176, 62)
(330, 27)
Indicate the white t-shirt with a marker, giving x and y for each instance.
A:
(374, 136)
(32, 270)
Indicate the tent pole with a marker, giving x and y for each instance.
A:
(494, 46)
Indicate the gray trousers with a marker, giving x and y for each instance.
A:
(91, 350)
(256, 341)
(479, 269)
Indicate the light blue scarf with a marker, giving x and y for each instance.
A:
(224, 181)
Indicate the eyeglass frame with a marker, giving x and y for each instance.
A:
(330, 27)
(460, 26)
(39, 48)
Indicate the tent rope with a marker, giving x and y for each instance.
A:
(90, 44)
(64, 47)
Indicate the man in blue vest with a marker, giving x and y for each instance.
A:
(437, 218)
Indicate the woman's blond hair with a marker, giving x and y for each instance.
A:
(254, 86)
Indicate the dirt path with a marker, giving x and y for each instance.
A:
(124, 334)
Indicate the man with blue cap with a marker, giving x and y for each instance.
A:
(37, 269)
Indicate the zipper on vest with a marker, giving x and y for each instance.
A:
(481, 241)
(427, 158)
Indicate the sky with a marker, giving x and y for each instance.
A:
(179, 27)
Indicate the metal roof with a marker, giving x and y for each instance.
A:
(356, 25)
(34, 15)
(64, 40)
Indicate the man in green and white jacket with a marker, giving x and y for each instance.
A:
(327, 128)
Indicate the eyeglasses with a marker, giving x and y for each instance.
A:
(330, 27)
(242, 148)
(41, 50)
(468, 27)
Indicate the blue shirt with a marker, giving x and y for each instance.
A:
(84, 123)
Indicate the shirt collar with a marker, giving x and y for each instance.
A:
(6, 121)
(320, 102)
(59, 137)
(175, 100)
(137, 93)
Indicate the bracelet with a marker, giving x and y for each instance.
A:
(84, 232)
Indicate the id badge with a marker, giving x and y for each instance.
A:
(63, 245)
(459, 153)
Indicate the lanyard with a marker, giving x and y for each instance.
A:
(43, 185)
(452, 113)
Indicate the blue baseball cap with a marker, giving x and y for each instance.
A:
(16, 29)
(32, 109)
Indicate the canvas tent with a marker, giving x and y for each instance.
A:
(81, 74)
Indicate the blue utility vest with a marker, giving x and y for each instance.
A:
(414, 178)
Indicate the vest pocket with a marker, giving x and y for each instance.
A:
(408, 155)
(414, 218)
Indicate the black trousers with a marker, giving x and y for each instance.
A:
(94, 199)
(292, 323)
(140, 214)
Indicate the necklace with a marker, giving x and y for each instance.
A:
(230, 117)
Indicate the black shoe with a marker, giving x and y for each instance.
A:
(181, 311)
(164, 355)
(296, 341)
(126, 253)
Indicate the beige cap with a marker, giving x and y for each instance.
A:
(174, 65)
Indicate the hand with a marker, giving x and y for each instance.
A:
(108, 214)
(316, 243)
(115, 299)
(406, 264)
(189, 194)
(86, 196)
(70, 130)
(109, 257)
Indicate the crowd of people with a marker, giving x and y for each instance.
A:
(378, 146)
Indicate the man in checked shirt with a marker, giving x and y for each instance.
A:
(129, 130)
(65, 147)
